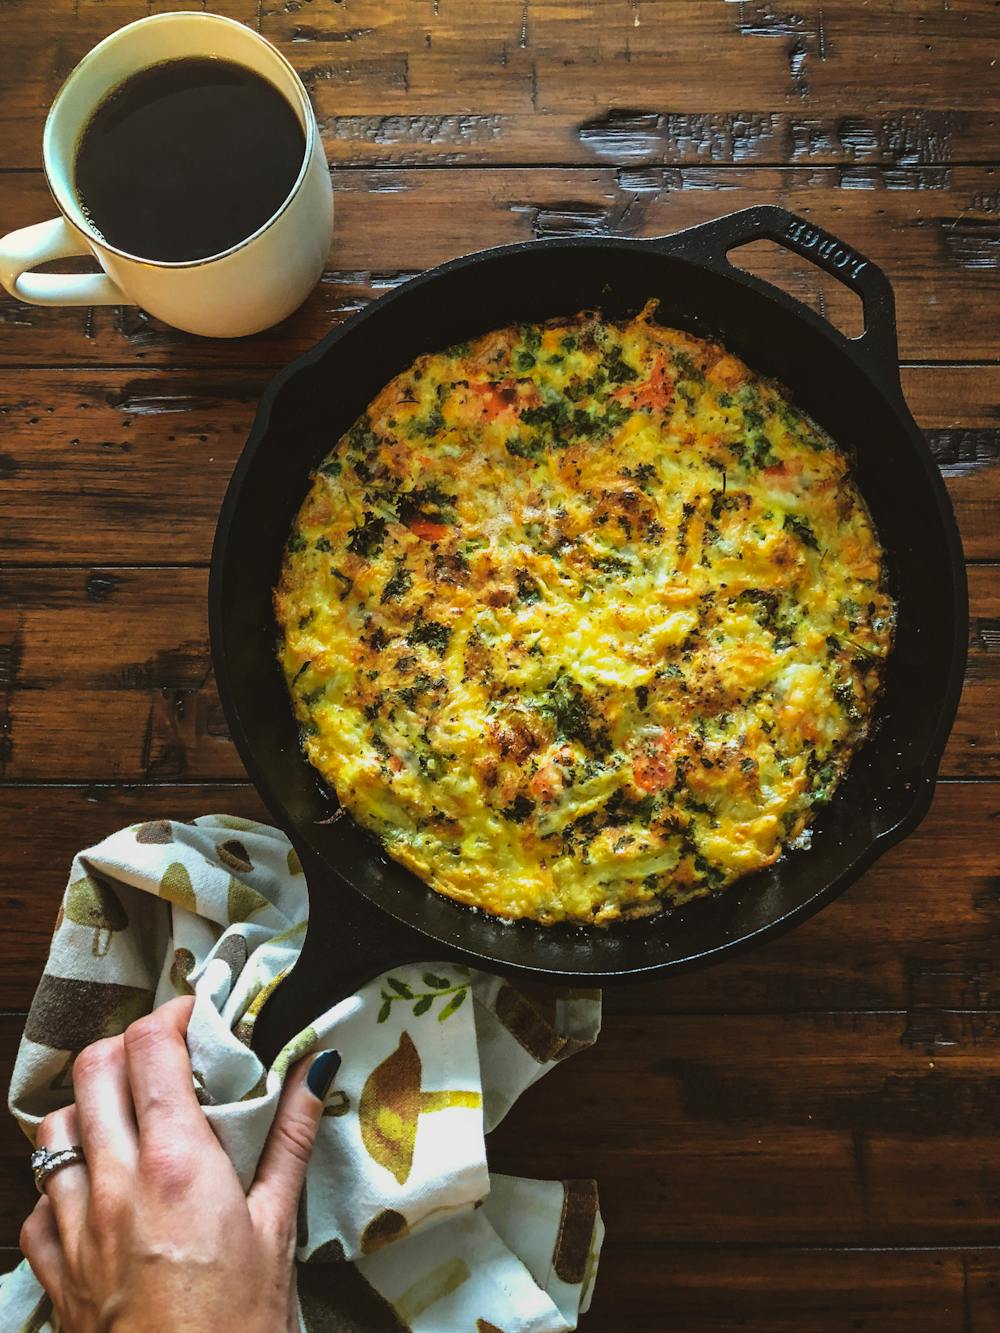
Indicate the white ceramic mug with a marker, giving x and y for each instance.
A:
(248, 287)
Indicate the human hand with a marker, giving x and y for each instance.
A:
(155, 1231)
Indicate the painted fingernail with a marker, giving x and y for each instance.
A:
(322, 1072)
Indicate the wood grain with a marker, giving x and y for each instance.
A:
(935, 231)
(672, 81)
(696, 1289)
(136, 462)
(917, 935)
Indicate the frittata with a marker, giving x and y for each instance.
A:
(583, 619)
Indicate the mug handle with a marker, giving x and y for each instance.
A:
(23, 250)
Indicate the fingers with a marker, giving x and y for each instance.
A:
(41, 1247)
(68, 1188)
(275, 1192)
(104, 1109)
(159, 1075)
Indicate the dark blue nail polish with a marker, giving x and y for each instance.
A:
(322, 1072)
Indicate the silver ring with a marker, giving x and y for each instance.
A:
(44, 1162)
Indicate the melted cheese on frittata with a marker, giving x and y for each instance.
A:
(583, 620)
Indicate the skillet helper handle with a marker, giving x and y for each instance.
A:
(711, 243)
(349, 942)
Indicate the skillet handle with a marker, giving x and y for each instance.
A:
(349, 942)
(710, 244)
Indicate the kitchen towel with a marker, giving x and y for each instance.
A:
(401, 1225)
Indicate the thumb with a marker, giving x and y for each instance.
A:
(274, 1194)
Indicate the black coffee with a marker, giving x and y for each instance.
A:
(188, 158)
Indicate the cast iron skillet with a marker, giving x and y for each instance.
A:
(367, 912)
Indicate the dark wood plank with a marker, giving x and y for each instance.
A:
(935, 231)
(805, 1128)
(106, 674)
(917, 935)
(133, 464)
(671, 81)
(959, 408)
(694, 1289)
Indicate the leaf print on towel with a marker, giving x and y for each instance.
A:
(484, 1326)
(438, 988)
(177, 888)
(392, 1103)
(294, 864)
(383, 1230)
(335, 1298)
(157, 830)
(67, 1014)
(243, 902)
(234, 856)
(92, 902)
(180, 969)
(576, 1230)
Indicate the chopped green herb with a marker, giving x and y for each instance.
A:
(399, 582)
(430, 425)
(368, 537)
(618, 369)
(519, 810)
(567, 705)
(527, 588)
(346, 582)
(522, 447)
(802, 529)
(431, 633)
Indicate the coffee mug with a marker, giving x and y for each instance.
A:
(246, 288)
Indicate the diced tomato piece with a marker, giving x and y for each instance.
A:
(655, 392)
(495, 398)
(654, 769)
(546, 783)
(784, 474)
(428, 531)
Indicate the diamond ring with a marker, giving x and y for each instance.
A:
(44, 1162)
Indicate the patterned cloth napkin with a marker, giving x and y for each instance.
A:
(433, 1057)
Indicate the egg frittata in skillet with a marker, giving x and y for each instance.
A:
(583, 620)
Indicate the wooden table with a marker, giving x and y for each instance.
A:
(803, 1139)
